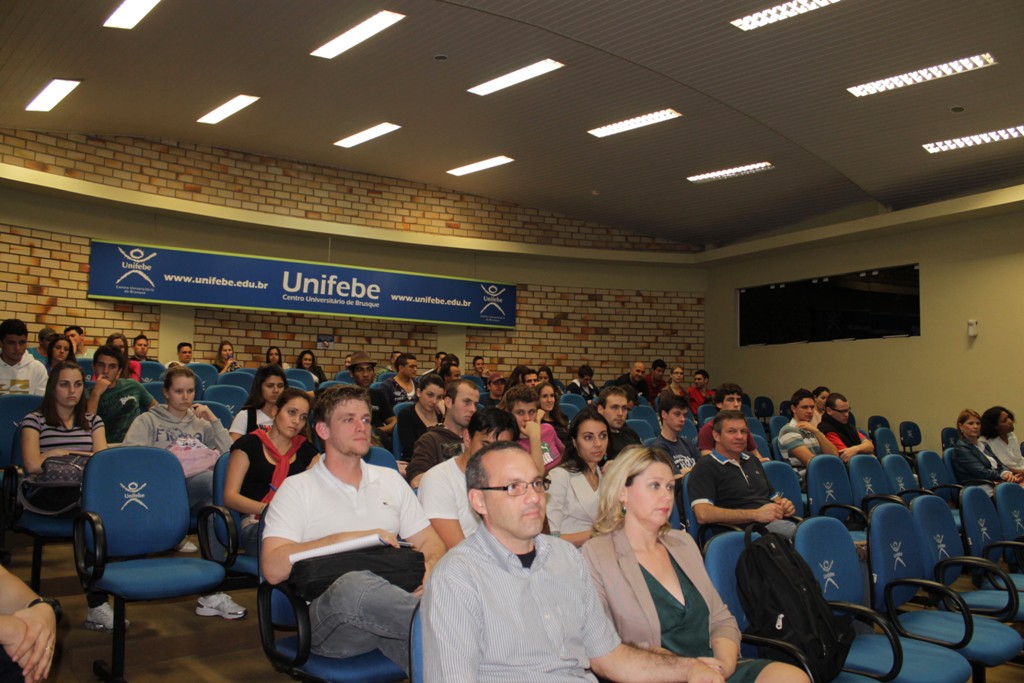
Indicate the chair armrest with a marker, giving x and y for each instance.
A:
(90, 563)
(920, 492)
(955, 487)
(872, 617)
(706, 531)
(881, 498)
(303, 631)
(940, 590)
(782, 646)
(1016, 546)
(844, 506)
(980, 482)
(204, 533)
(1007, 613)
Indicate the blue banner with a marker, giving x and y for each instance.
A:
(152, 274)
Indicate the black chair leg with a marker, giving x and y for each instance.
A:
(37, 564)
(977, 672)
(114, 672)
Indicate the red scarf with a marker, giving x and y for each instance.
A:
(281, 462)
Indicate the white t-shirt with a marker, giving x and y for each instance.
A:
(241, 421)
(28, 376)
(1008, 452)
(442, 494)
(315, 504)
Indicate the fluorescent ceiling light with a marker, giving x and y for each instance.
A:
(55, 91)
(357, 34)
(368, 134)
(518, 76)
(637, 122)
(481, 165)
(130, 13)
(230, 107)
(929, 73)
(786, 10)
(1014, 133)
(731, 172)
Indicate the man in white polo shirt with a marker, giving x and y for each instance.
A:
(340, 498)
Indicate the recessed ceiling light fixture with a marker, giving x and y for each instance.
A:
(1015, 133)
(55, 91)
(636, 122)
(357, 34)
(786, 10)
(730, 173)
(368, 134)
(481, 165)
(130, 13)
(232, 106)
(526, 73)
(929, 73)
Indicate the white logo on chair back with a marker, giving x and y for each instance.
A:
(868, 488)
(778, 622)
(1018, 524)
(983, 529)
(897, 554)
(899, 484)
(829, 493)
(935, 478)
(133, 494)
(828, 574)
(940, 545)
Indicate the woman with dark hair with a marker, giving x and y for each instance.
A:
(307, 361)
(820, 395)
(61, 350)
(260, 408)
(274, 357)
(973, 461)
(130, 368)
(651, 579)
(225, 359)
(545, 374)
(552, 411)
(997, 434)
(427, 412)
(521, 374)
(572, 498)
(261, 461)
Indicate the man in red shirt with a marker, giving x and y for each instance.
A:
(699, 393)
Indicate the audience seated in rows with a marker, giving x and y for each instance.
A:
(727, 397)
(446, 440)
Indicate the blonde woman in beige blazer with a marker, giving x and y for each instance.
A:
(631, 536)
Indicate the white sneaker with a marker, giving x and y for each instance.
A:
(186, 546)
(219, 605)
(102, 618)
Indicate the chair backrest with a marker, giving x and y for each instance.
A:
(385, 376)
(705, 412)
(377, 385)
(380, 457)
(207, 375)
(947, 462)
(140, 495)
(784, 479)
(231, 396)
(396, 441)
(649, 441)
(901, 477)
(690, 431)
(642, 428)
(776, 451)
(828, 482)
(300, 378)
(223, 413)
(345, 377)
(981, 524)
(721, 556)
(828, 549)
(647, 413)
(885, 442)
(867, 478)
(328, 384)
(574, 399)
(249, 371)
(747, 412)
(937, 534)
(1010, 506)
(86, 365)
(949, 437)
(151, 370)
(776, 424)
(932, 472)
(874, 422)
(236, 379)
(570, 410)
(910, 434)
(687, 511)
(786, 410)
(764, 407)
(13, 409)
(894, 552)
(755, 427)
(156, 390)
(479, 381)
(762, 446)
(220, 475)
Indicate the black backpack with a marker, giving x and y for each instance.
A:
(782, 600)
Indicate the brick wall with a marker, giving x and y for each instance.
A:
(248, 181)
(43, 281)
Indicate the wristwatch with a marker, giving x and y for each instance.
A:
(53, 603)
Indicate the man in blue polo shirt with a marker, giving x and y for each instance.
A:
(730, 486)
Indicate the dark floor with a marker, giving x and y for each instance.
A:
(167, 641)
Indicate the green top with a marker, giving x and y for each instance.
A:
(120, 405)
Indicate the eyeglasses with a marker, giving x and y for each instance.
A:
(841, 412)
(519, 488)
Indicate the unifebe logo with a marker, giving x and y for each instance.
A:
(133, 494)
(135, 271)
(494, 299)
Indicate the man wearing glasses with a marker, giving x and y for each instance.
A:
(835, 425)
(511, 604)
